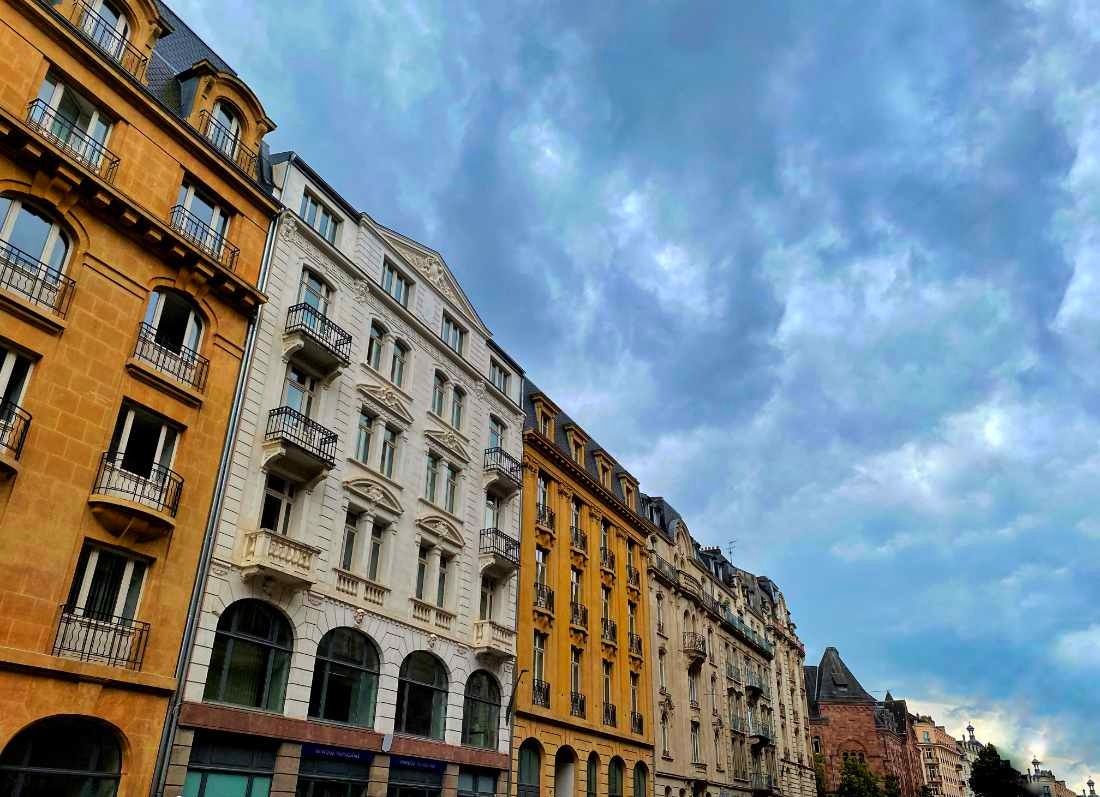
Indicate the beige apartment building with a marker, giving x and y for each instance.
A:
(730, 720)
(941, 761)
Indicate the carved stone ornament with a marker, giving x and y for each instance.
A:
(431, 268)
(359, 615)
(432, 639)
(314, 599)
(289, 229)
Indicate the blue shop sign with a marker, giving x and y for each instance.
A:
(420, 764)
(336, 753)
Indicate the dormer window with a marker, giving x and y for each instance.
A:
(318, 217)
(105, 25)
(453, 335)
(546, 424)
(499, 376)
(224, 129)
(576, 442)
(395, 284)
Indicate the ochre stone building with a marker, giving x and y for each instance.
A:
(845, 720)
(940, 758)
(133, 220)
(583, 720)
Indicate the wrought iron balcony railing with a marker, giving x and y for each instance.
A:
(577, 706)
(498, 459)
(90, 636)
(607, 559)
(733, 672)
(184, 365)
(695, 644)
(637, 724)
(540, 693)
(307, 318)
(158, 490)
(635, 644)
(544, 598)
(34, 281)
(610, 714)
(578, 614)
(578, 539)
(497, 543)
(666, 570)
(228, 143)
(204, 236)
(14, 423)
(102, 33)
(76, 143)
(609, 630)
(633, 577)
(544, 516)
(310, 436)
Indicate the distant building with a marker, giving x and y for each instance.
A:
(940, 760)
(1042, 782)
(969, 749)
(846, 721)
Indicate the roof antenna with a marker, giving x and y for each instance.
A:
(729, 549)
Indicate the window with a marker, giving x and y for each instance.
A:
(634, 705)
(374, 345)
(374, 559)
(201, 218)
(450, 502)
(693, 686)
(542, 557)
(538, 660)
(530, 762)
(498, 376)
(224, 129)
(605, 474)
(575, 589)
(542, 497)
(640, 777)
(441, 583)
(575, 514)
(605, 602)
(389, 450)
(481, 711)
(298, 390)
(421, 696)
(696, 755)
(476, 783)
(347, 548)
(143, 444)
(362, 440)
(107, 27)
(576, 669)
(68, 755)
(15, 371)
(492, 511)
(395, 285)
(661, 670)
(660, 615)
(173, 323)
(421, 570)
(632, 618)
(326, 777)
(431, 476)
(36, 236)
(278, 504)
(345, 678)
(70, 120)
(106, 586)
(488, 598)
(439, 389)
(453, 335)
(578, 452)
(665, 749)
(229, 765)
(319, 217)
(397, 363)
(250, 661)
(458, 401)
(592, 776)
(607, 682)
(605, 536)
(313, 291)
(615, 778)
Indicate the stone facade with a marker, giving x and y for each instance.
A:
(969, 747)
(1043, 783)
(941, 763)
(583, 715)
(111, 442)
(355, 508)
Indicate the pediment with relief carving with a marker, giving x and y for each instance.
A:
(450, 441)
(441, 529)
(374, 494)
(388, 400)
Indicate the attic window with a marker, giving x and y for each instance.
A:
(546, 424)
(576, 443)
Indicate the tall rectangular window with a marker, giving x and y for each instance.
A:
(347, 549)
(362, 442)
(389, 450)
(575, 668)
(488, 593)
(607, 682)
(318, 217)
(631, 618)
(441, 584)
(453, 335)
(498, 376)
(395, 284)
(496, 433)
(605, 603)
(458, 406)
(375, 558)
(542, 496)
(633, 693)
(421, 571)
(450, 502)
(278, 504)
(575, 595)
(431, 476)
(439, 389)
(538, 663)
(542, 557)
(492, 512)
(106, 585)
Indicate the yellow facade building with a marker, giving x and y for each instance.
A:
(133, 220)
(583, 722)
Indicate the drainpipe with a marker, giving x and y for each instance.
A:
(194, 606)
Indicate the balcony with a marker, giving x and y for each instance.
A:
(64, 134)
(577, 707)
(544, 599)
(14, 423)
(760, 731)
(503, 472)
(738, 724)
(268, 555)
(141, 504)
(101, 32)
(578, 615)
(754, 683)
(540, 693)
(633, 577)
(299, 446)
(607, 559)
(312, 338)
(634, 643)
(578, 540)
(204, 237)
(499, 553)
(102, 639)
(637, 724)
(184, 367)
(357, 589)
(610, 714)
(764, 783)
(494, 640)
(666, 570)
(609, 631)
(228, 144)
(30, 286)
(695, 646)
(544, 518)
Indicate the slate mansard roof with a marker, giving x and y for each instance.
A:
(832, 681)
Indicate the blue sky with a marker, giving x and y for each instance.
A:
(825, 275)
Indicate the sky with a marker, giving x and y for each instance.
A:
(825, 275)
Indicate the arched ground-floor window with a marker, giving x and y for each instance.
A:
(65, 756)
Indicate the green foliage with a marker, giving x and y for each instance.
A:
(819, 773)
(858, 781)
(891, 787)
(992, 776)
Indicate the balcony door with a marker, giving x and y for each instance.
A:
(207, 222)
(177, 324)
(225, 133)
(141, 454)
(106, 26)
(71, 120)
(15, 371)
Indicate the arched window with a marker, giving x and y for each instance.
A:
(481, 711)
(250, 661)
(345, 678)
(374, 345)
(64, 756)
(439, 390)
(398, 363)
(592, 776)
(224, 129)
(615, 778)
(173, 322)
(314, 291)
(641, 775)
(530, 762)
(421, 696)
(41, 245)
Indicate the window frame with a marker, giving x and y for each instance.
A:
(324, 664)
(453, 334)
(395, 284)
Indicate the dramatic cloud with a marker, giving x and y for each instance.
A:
(825, 275)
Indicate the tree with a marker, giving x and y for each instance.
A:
(891, 787)
(992, 776)
(819, 774)
(858, 781)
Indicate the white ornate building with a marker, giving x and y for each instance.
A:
(358, 620)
